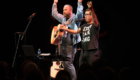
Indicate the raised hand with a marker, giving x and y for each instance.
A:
(89, 4)
(55, 1)
(80, 0)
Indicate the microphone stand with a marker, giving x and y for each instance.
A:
(16, 51)
(26, 28)
(17, 45)
(19, 41)
(14, 68)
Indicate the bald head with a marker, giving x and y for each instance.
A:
(69, 6)
(67, 10)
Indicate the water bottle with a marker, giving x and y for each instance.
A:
(39, 52)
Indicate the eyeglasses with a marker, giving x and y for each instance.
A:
(86, 14)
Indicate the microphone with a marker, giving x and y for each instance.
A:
(19, 32)
(82, 19)
(32, 15)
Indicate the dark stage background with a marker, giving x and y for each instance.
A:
(112, 14)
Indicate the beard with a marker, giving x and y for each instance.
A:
(66, 15)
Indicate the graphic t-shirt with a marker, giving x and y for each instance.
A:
(90, 34)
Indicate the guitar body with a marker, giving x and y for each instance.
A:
(56, 35)
(55, 68)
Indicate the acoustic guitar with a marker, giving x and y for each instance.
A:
(55, 68)
(56, 34)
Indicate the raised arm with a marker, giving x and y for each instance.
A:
(63, 27)
(94, 17)
(79, 13)
(55, 13)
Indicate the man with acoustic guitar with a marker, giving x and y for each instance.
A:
(68, 43)
(90, 33)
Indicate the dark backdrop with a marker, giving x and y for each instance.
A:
(112, 14)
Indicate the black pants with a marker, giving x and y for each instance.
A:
(69, 51)
(88, 56)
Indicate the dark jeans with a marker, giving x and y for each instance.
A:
(69, 51)
(88, 56)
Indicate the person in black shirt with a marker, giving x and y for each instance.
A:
(90, 35)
